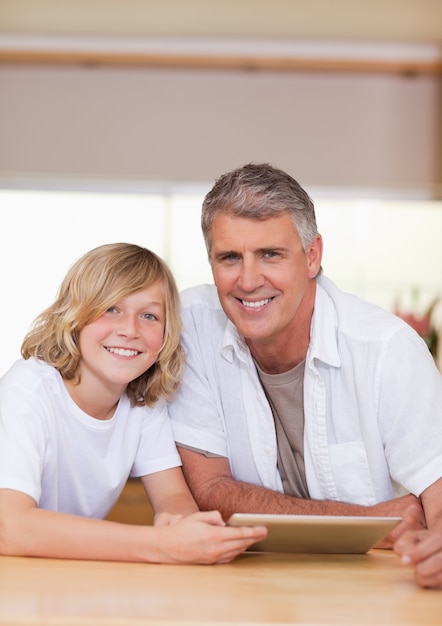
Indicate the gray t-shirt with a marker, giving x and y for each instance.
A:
(286, 397)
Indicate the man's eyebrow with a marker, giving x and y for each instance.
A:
(272, 249)
(222, 253)
(283, 250)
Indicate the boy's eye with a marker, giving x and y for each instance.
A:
(111, 309)
(149, 316)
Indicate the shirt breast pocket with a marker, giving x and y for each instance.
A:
(351, 474)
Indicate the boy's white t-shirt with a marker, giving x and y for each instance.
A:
(66, 460)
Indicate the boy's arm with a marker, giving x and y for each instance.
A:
(169, 495)
(26, 530)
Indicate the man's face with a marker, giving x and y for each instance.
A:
(263, 275)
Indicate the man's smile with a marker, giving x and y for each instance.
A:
(256, 303)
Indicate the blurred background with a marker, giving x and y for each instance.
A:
(116, 116)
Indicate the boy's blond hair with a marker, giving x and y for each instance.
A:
(98, 280)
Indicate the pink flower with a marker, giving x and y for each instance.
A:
(423, 325)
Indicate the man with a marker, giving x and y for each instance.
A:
(298, 398)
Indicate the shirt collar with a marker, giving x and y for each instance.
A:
(323, 337)
(233, 343)
(323, 330)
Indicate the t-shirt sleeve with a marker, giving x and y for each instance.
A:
(23, 440)
(156, 451)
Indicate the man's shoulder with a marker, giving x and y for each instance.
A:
(200, 295)
(354, 313)
(202, 314)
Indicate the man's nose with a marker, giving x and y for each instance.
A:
(251, 276)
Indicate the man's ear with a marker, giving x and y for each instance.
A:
(314, 257)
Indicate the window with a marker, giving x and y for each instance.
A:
(382, 250)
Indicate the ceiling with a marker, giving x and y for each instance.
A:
(417, 21)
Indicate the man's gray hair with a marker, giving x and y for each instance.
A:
(259, 191)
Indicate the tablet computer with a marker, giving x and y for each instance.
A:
(326, 534)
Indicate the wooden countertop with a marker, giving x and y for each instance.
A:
(254, 589)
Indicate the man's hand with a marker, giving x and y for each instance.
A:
(413, 518)
(423, 550)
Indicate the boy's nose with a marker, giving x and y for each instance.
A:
(128, 326)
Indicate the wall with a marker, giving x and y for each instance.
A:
(331, 129)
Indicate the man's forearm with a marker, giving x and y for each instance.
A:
(214, 488)
(432, 502)
(231, 496)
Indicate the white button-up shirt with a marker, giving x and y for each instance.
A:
(372, 400)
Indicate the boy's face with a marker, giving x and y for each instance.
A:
(123, 342)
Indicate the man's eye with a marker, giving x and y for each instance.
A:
(270, 254)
